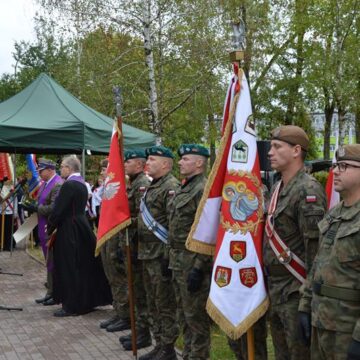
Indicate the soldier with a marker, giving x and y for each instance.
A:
(48, 193)
(191, 271)
(331, 298)
(153, 231)
(298, 203)
(138, 183)
(116, 274)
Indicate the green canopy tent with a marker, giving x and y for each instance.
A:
(45, 118)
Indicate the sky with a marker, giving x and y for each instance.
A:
(16, 24)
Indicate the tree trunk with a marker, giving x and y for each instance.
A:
(329, 112)
(150, 64)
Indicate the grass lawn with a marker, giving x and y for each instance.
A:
(220, 349)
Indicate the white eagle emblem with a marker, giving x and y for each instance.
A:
(110, 188)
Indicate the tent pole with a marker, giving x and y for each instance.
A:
(83, 164)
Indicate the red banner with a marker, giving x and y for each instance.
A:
(5, 166)
(114, 211)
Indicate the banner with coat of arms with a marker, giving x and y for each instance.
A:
(229, 221)
(114, 210)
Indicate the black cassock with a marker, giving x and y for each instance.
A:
(79, 279)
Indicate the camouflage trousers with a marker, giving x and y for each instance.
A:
(284, 330)
(141, 309)
(116, 275)
(161, 303)
(329, 345)
(196, 322)
(239, 346)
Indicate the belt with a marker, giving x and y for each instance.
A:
(336, 292)
(276, 270)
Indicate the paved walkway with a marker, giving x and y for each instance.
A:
(35, 333)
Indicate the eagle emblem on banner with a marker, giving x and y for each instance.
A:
(110, 188)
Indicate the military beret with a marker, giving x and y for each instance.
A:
(46, 164)
(348, 152)
(193, 149)
(159, 151)
(291, 134)
(135, 154)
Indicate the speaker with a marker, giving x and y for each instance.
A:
(263, 147)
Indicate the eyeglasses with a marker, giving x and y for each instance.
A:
(343, 166)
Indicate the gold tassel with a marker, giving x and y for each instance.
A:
(234, 332)
(110, 234)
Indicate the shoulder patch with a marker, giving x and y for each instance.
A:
(311, 198)
(142, 188)
(171, 192)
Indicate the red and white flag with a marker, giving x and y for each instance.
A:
(230, 219)
(333, 197)
(114, 211)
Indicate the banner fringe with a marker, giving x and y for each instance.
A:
(235, 332)
(110, 234)
(193, 244)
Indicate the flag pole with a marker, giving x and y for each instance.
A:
(237, 56)
(118, 104)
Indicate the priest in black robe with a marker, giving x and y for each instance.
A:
(79, 280)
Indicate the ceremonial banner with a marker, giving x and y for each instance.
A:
(6, 168)
(230, 219)
(114, 210)
(34, 179)
(333, 197)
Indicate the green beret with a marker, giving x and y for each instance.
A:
(159, 151)
(193, 149)
(348, 152)
(292, 135)
(135, 154)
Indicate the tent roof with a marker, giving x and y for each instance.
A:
(45, 118)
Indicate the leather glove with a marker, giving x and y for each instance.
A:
(194, 280)
(120, 255)
(165, 271)
(304, 323)
(354, 350)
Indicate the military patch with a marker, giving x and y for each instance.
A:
(238, 250)
(239, 152)
(248, 276)
(250, 126)
(341, 151)
(171, 192)
(142, 188)
(311, 198)
(222, 276)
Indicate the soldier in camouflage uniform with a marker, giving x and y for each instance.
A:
(301, 204)
(191, 271)
(153, 228)
(138, 183)
(332, 290)
(116, 274)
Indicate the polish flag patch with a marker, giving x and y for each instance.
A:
(311, 198)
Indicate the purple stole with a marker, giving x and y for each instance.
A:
(42, 220)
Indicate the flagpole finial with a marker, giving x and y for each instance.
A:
(117, 99)
(238, 41)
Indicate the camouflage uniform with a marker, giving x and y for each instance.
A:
(332, 290)
(135, 190)
(191, 305)
(159, 289)
(295, 220)
(116, 275)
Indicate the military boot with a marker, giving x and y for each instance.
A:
(125, 338)
(104, 324)
(143, 340)
(167, 353)
(122, 324)
(152, 354)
